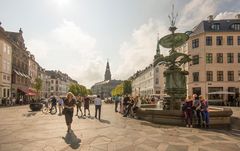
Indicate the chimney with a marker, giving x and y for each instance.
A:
(210, 17)
(237, 16)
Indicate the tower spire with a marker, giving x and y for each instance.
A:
(107, 75)
(158, 48)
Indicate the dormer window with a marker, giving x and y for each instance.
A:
(215, 26)
(235, 26)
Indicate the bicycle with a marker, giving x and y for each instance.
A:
(47, 109)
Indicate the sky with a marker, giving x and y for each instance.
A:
(78, 36)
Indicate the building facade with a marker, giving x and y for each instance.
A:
(45, 91)
(59, 82)
(149, 81)
(104, 88)
(214, 46)
(5, 65)
(20, 67)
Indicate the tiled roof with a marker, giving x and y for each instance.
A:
(208, 26)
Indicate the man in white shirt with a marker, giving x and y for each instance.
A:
(98, 104)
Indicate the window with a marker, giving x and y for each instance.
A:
(239, 75)
(238, 40)
(195, 59)
(56, 81)
(219, 40)
(209, 76)
(4, 92)
(236, 26)
(219, 57)
(230, 75)
(8, 92)
(195, 43)
(238, 57)
(219, 75)
(157, 70)
(215, 26)
(51, 88)
(230, 58)
(208, 40)
(195, 76)
(157, 81)
(4, 77)
(8, 78)
(52, 81)
(209, 58)
(229, 40)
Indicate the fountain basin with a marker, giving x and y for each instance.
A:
(219, 117)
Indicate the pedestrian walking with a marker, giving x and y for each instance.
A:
(98, 105)
(60, 105)
(69, 104)
(204, 112)
(79, 105)
(86, 105)
(187, 109)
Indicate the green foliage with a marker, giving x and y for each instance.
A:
(123, 88)
(118, 90)
(38, 84)
(127, 87)
(89, 92)
(77, 89)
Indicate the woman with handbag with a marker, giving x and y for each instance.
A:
(69, 104)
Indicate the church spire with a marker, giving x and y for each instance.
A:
(107, 72)
(158, 48)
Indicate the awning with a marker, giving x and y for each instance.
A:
(21, 74)
(31, 94)
(221, 92)
(28, 91)
(25, 90)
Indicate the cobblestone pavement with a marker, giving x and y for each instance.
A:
(21, 130)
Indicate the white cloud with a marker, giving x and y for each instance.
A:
(137, 53)
(196, 11)
(226, 15)
(68, 49)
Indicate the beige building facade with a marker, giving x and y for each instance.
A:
(214, 46)
(149, 81)
(5, 65)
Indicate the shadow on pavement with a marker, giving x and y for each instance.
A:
(105, 121)
(30, 114)
(72, 140)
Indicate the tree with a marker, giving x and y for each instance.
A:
(38, 85)
(127, 87)
(89, 92)
(118, 90)
(77, 89)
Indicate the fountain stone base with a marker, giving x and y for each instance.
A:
(219, 117)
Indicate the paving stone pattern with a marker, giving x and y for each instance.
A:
(21, 130)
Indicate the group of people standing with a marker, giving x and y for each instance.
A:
(128, 105)
(196, 106)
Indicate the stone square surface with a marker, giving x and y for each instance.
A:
(23, 130)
